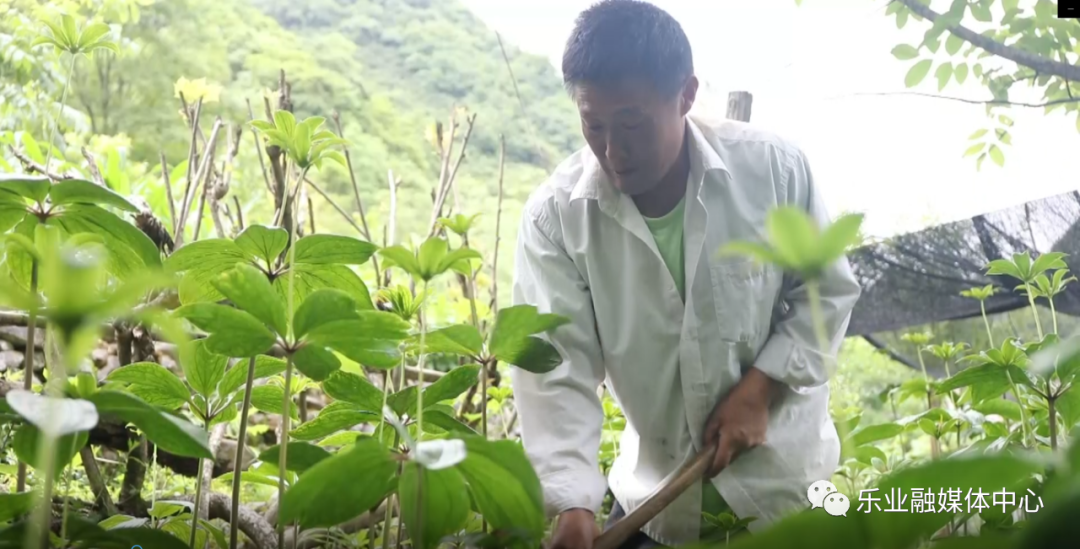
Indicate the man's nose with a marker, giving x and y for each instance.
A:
(617, 153)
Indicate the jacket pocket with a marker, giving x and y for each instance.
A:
(744, 292)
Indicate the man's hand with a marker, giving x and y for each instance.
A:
(576, 529)
(740, 420)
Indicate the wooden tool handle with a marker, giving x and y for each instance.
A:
(690, 472)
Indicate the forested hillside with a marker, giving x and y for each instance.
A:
(391, 68)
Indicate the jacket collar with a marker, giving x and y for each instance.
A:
(594, 184)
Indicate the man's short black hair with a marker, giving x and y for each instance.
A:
(618, 39)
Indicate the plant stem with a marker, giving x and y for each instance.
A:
(28, 359)
(1051, 405)
(1024, 428)
(284, 443)
(814, 291)
(1034, 310)
(989, 334)
(198, 494)
(64, 514)
(1053, 314)
(420, 367)
(484, 365)
(63, 99)
(241, 438)
(38, 533)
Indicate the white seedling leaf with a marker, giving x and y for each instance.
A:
(54, 416)
(439, 454)
(394, 420)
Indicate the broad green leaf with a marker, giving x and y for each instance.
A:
(403, 259)
(316, 362)
(212, 256)
(78, 218)
(248, 288)
(434, 503)
(459, 339)
(960, 73)
(171, 433)
(1047, 261)
(452, 384)
(203, 369)
(153, 383)
(322, 306)
(15, 505)
(59, 416)
(917, 73)
(372, 340)
(25, 444)
(838, 236)
(792, 235)
(269, 399)
(250, 478)
(33, 187)
(263, 242)
(905, 52)
(354, 389)
(404, 402)
(333, 249)
(1005, 408)
(875, 433)
(232, 332)
(1055, 522)
(514, 324)
(79, 191)
(759, 252)
(12, 210)
(236, 377)
(963, 472)
(1068, 406)
(333, 418)
(445, 422)
(310, 278)
(320, 498)
(504, 485)
(953, 44)
(987, 381)
(300, 456)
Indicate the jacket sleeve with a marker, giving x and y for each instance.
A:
(791, 355)
(559, 412)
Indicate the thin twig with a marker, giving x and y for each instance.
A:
(193, 151)
(35, 167)
(335, 205)
(311, 214)
(437, 210)
(976, 101)
(239, 214)
(259, 151)
(92, 167)
(498, 226)
(97, 482)
(201, 175)
(168, 189)
(356, 191)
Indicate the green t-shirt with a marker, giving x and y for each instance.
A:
(667, 231)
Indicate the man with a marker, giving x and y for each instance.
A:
(623, 240)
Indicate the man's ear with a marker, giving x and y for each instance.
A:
(688, 95)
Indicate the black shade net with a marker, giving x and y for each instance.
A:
(917, 278)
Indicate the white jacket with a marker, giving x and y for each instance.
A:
(585, 252)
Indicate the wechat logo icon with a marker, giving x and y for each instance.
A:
(824, 494)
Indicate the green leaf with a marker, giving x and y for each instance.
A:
(512, 341)
(324, 249)
(232, 332)
(172, 434)
(838, 236)
(153, 383)
(322, 306)
(263, 242)
(960, 72)
(129, 248)
(459, 339)
(403, 259)
(371, 340)
(203, 369)
(354, 389)
(27, 186)
(905, 52)
(981, 12)
(917, 73)
(875, 433)
(235, 377)
(760, 252)
(269, 399)
(404, 401)
(333, 418)
(79, 191)
(15, 505)
(504, 485)
(434, 503)
(791, 234)
(300, 456)
(452, 384)
(211, 256)
(26, 445)
(12, 210)
(963, 472)
(975, 149)
(1047, 261)
(320, 498)
(249, 289)
(1005, 408)
(310, 278)
(953, 44)
(435, 417)
(997, 156)
(316, 362)
(943, 73)
(987, 381)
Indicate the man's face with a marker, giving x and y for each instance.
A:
(635, 132)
